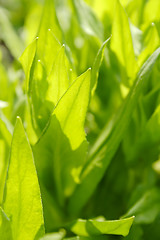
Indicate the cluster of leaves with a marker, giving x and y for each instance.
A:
(86, 144)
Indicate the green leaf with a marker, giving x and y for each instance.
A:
(38, 60)
(62, 148)
(47, 52)
(135, 11)
(122, 44)
(148, 140)
(94, 227)
(104, 8)
(47, 72)
(96, 66)
(54, 236)
(5, 142)
(151, 12)
(58, 80)
(6, 128)
(5, 226)
(22, 202)
(146, 208)
(27, 59)
(88, 20)
(3, 81)
(71, 109)
(151, 42)
(49, 21)
(101, 237)
(47, 88)
(105, 147)
(10, 37)
(37, 68)
(136, 232)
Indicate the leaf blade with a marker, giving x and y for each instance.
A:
(5, 226)
(88, 228)
(103, 151)
(22, 201)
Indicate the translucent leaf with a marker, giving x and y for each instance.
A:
(94, 227)
(3, 82)
(47, 72)
(63, 146)
(96, 66)
(104, 8)
(151, 42)
(22, 202)
(71, 110)
(47, 52)
(5, 142)
(5, 226)
(105, 147)
(46, 90)
(58, 79)
(26, 60)
(87, 19)
(151, 12)
(48, 21)
(122, 44)
(135, 11)
(146, 208)
(6, 129)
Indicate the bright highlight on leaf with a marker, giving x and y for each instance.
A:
(103, 150)
(121, 42)
(22, 202)
(63, 146)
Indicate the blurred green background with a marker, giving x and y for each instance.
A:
(131, 184)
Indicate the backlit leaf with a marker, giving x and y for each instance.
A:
(96, 228)
(65, 153)
(5, 226)
(122, 44)
(105, 147)
(22, 202)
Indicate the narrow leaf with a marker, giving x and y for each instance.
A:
(62, 148)
(10, 37)
(22, 202)
(151, 42)
(88, 20)
(96, 66)
(26, 60)
(5, 226)
(5, 142)
(146, 208)
(121, 42)
(104, 149)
